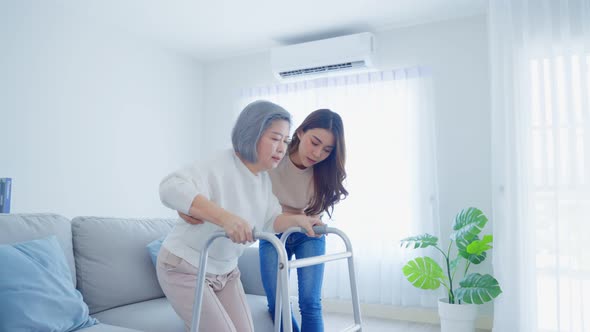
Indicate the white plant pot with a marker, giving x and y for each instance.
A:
(456, 317)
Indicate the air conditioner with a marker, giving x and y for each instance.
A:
(344, 54)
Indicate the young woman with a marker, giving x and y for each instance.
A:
(231, 192)
(308, 181)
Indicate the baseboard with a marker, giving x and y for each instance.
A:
(410, 314)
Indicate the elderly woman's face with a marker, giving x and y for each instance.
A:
(272, 145)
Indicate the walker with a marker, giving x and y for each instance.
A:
(282, 295)
(282, 307)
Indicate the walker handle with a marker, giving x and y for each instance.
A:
(316, 229)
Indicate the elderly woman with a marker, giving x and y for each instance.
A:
(232, 192)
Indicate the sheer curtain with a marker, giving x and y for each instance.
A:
(391, 165)
(540, 65)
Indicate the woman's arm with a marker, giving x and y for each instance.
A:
(286, 220)
(184, 192)
(189, 219)
(236, 228)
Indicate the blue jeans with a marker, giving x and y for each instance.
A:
(309, 278)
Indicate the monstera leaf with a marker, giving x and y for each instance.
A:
(478, 289)
(454, 263)
(468, 224)
(479, 247)
(424, 273)
(463, 245)
(420, 241)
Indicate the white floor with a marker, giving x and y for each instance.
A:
(337, 322)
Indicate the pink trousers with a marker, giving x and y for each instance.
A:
(224, 307)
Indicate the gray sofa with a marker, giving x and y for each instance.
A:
(111, 268)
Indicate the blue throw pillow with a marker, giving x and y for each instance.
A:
(36, 289)
(154, 248)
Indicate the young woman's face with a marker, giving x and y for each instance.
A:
(315, 145)
(272, 145)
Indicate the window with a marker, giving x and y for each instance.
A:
(391, 164)
(560, 189)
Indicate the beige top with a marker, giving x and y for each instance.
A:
(292, 186)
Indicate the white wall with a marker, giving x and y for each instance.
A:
(457, 53)
(90, 120)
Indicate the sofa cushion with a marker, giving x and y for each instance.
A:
(260, 315)
(149, 316)
(107, 328)
(153, 249)
(36, 289)
(112, 263)
(24, 227)
(157, 315)
(249, 265)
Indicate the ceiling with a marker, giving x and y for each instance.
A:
(210, 30)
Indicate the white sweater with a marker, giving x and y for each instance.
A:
(226, 181)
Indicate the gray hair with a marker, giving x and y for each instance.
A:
(251, 124)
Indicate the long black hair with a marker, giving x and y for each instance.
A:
(328, 174)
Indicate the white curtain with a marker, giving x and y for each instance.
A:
(540, 68)
(389, 130)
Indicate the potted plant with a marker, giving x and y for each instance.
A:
(457, 311)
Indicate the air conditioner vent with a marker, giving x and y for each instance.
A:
(323, 69)
(324, 57)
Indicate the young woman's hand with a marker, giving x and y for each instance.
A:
(189, 219)
(236, 228)
(307, 222)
